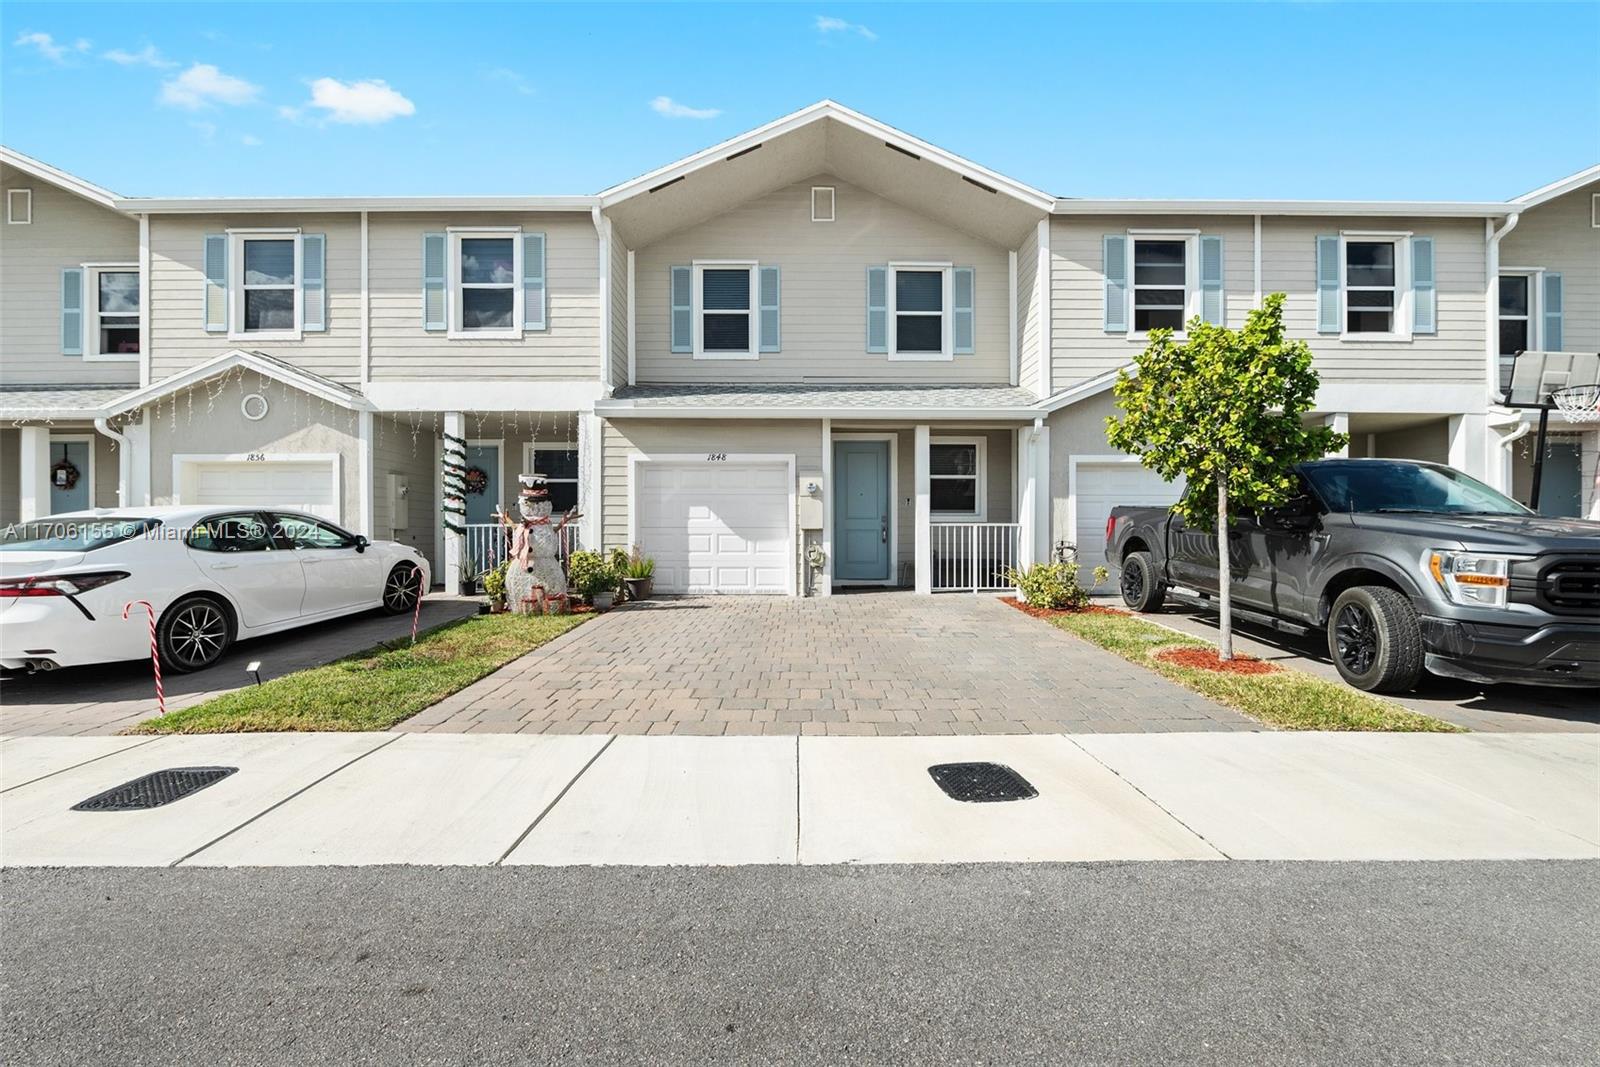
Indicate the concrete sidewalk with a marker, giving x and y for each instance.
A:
(357, 799)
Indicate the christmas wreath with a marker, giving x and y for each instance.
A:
(477, 481)
(64, 474)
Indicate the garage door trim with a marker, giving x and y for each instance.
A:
(720, 459)
(180, 460)
(1073, 463)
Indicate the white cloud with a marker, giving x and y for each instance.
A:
(511, 78)
(47, 47)
(362, 102)
(665, 105)
(208, 130)
(147, 56)
(250, 139)
(203, 85)
(828, 24)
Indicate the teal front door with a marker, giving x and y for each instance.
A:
(65, 498)
(481, 505)
(861, 511)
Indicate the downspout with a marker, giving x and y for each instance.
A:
(124, 460)
(603, 269)
(1499, 465)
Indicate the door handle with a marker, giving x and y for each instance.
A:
(884, 532)
(224, 566)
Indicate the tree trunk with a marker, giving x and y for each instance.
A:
(1224, 570)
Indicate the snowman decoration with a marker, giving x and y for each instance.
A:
(535, 571)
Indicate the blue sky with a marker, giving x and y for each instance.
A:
(1436, 101)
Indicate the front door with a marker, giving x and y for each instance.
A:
(1561, 490)
(861, 511)
(69, 477)
(483, 493)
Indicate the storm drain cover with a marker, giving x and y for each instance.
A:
(154, 790)
(980, 783)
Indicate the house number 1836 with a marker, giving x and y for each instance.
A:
(716, 457)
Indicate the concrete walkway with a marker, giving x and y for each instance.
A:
(867, 664)
(357, 799)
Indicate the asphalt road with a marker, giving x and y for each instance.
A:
(1223, 963)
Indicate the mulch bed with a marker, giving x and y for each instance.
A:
(1049, 613)
(1205, 659)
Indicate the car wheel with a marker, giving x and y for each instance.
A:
(1142, 589)
(1375, 640)
(400, 589)
(194, 633)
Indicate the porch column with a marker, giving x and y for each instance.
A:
(364, 461)
(1042, 504)
(591, 528)
(924, 513)
(1339, 422)
(825, 579)
(1468, 451)
(1026, 496)
(137, 490)
(455, 425)
(33, 457)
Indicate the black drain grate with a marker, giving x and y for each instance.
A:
(980, 783)
(154, 790)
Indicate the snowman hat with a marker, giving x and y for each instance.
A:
(534, 486)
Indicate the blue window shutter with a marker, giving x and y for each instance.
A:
(215, 311)
(771, 341)
(1424, 290)
(72, 312)
(682, 300)
(1328, 283)
(877, 309)
(1552, 313)
(962, 306)
(433, 281)
(1114, 259)
(1213, 302)
(534, 301)
(313, 282)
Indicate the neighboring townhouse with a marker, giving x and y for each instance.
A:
(823, 338)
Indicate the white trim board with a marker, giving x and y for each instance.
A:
(486, 395)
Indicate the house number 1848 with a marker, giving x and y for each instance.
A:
(716, 457)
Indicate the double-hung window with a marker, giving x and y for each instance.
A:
(956, 477)
(1518, 319)
(114, 302)
(558, 462)
(1160, 283)
(487, 296)
(725, 320)
(920, 326)
(266, 296)
(1371, 284)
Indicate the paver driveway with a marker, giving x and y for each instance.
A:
(866, 663)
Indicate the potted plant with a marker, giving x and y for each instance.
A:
(638, 575)
(494, 584)
(593, 577)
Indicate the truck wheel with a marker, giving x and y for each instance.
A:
(1374, 639)
(1142, 589)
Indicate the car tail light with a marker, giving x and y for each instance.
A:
(1111, 525)
(58, 584)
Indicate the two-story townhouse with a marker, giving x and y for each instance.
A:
(822, 354)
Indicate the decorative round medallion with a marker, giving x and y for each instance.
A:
(254, 407)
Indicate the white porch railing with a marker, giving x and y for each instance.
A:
(487, 544)
(973, 556)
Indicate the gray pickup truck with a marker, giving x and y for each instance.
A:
(1407, 567)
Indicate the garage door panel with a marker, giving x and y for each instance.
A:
(1100, 487)
(289, 484)
(715, 528)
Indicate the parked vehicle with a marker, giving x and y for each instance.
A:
(1406, 565)
(213, 576)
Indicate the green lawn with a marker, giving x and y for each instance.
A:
(375, 689)
(1288, 699)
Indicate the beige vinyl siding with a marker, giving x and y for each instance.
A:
(619, 311)
(823, 299)
(67, 231)
(178, 337)
(107, 469)
(1560, 236)
(397, 450)
(569, 348)
(1029, 307)
(1288, 264)
(1429, 441)
(1076, 430)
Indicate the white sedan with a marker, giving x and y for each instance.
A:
(213, 576)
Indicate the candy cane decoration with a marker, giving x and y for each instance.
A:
(416, 612)
(155, 651)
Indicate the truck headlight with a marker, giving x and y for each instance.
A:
(1472, 577)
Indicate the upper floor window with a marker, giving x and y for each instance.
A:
(265, 285)
(1160, 283)
(485, 295)
(920, 311)
(1160, 280)
(1376, 286)
(114, 334)
(1371, 286)
(1518, 327)
(726, 318)
(920, 327)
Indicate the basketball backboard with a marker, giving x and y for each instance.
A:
(1535, 375)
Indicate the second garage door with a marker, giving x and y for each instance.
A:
(716, 526)
(1099, 487)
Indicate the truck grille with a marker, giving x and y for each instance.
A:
(1565, 585)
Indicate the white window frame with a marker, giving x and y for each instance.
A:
(14, 217)
(833, 203)
(1535, 276)
(980, 498)
(1401, 323)
(237, 287)
(697, 299)
(530, 461)
(1191, 278)
(454, 330)
(91, 311)
(947, 351)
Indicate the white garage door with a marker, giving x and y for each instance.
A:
(301, 485)
(1103, 486)
(715, 527)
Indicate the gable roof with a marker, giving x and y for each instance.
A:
(60, 178)
(260, 362)
(1557, 188)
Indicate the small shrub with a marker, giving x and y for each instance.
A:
(1054, 585)
(591, 573)
(494, 580)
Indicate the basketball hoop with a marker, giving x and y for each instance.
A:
(1578, 403)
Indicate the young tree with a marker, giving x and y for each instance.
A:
(1223, 409)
